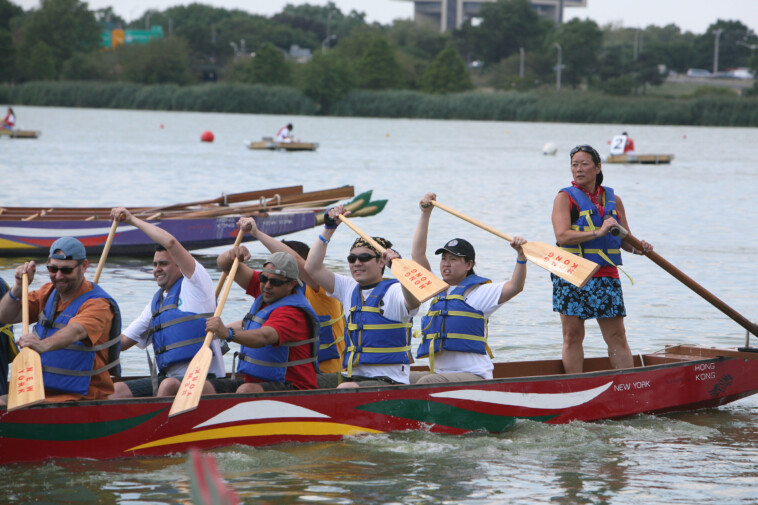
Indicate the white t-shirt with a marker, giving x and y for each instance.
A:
(283, 135)
(197, 295)
(484, 298)
(394, 309)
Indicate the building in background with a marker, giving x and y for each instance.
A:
(446, 15)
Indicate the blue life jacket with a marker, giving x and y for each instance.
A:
(270, 363)
(373, 339)
(452, 324)
(177, 334)
(327, 348)
(70, 369)
(605, 250)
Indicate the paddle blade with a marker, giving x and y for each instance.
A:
(26, 386)
(567, 266)
(419, 281)
(188, 396)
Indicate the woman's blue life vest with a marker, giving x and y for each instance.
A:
(70, 369)
(373, 339)
(606, 250)
(177, 335)
(327, 348)
(269, 363)
(451, 324)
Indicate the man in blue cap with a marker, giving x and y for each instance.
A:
(78, 325)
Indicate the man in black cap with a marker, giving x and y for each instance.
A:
(454, 328)
(278, 336)
(78, 325)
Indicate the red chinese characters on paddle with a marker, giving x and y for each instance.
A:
(557, 261)
(418, 278)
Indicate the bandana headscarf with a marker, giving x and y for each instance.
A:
(359, 242)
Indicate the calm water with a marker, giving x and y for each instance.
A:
(698, 212)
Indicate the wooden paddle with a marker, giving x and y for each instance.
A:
(188, 396)
(106, 249)
(419, 281)
(222, 279)
(27, 387)
(565, 265)
(686, 280)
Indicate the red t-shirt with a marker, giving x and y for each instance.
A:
(292, 325)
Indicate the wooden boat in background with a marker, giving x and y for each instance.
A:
(267, 143)
(678, 378)
(29, 231)
(19, 134)
(645, 159)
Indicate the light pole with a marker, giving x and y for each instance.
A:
(147, 19)
(638, 43)
(521, 63)
(326, 40)
(558, 67)
(716, 51)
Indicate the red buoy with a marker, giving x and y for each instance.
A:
(206, 136)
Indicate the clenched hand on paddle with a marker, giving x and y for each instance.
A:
(565, 265)
(188, 396)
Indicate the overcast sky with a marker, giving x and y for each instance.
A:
(689, 15)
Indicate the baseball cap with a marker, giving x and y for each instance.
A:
(283, 264)
(459, 247)
(71, 249)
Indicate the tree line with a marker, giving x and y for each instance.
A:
(508, 47)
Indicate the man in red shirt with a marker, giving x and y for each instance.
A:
(278, 337)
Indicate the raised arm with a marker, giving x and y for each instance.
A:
(418, 248)
(314, 264)
(516, 283)
(175, 249)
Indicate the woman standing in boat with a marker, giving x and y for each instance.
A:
(583, 216)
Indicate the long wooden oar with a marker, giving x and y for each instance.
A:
(222, 279)
(567, 266)
(188, 396)
(419, 281)
(27, 387)
(687, 281)
(106, 250)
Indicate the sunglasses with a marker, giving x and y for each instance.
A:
(54, 269)
(586, 149)
(263, 279)
(363, 257)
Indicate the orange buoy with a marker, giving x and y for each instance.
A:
(207, 136)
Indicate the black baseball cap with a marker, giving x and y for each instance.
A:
(459, 247)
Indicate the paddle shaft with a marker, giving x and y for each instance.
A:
(106, 250)
(687, 281)
(25, 303)
(472, 221)
(222, 279)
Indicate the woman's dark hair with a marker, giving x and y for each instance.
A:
(586, 148)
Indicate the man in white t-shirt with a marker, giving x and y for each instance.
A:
(174, 321)
(284, 134)
(454, 328)
(380, 355)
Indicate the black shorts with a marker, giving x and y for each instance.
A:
(229, 385)
(332, 380)
(142, 388)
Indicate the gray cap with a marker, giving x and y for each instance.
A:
(71, 249)
(283, 264)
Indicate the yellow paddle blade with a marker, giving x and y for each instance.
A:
(188, 396)
(419, 281)
(26, 387)
(567, 266)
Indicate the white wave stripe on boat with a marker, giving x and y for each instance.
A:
(547, 401)
(25, 232)
(262, 409)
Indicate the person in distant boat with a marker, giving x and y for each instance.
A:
(284, 134)
(584, 214)
(10, 119)
(78, 326)
(174, 321)
(628, 143)
(329, 310)
(380, 311)
(454, 329)
(278, 336)
(8, 348)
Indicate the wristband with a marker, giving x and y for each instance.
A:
(322, 239)
(231, 335)
(10, 293)
(329, 223)
(520, 262)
